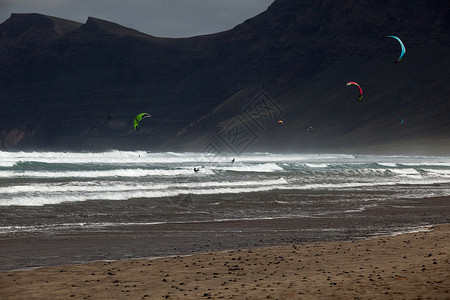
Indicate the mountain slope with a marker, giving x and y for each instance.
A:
(341, 41)
(78, 86)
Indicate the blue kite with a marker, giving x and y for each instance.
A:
(401, 45)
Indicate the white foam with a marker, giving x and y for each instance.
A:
(140, 157)
(427, 164)
(440, 173)
(63, 226)
(7, 164)
(41, 194)
(356, 210)
(316, 165)
(100, 225)
(404, 172)
(367, 184)
(100, 174)
(392, 165)
(281, 202)
(406, 231)
(100, 187)
(54, 193)
(262, 168)
(28, 180)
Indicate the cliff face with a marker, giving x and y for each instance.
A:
(67, 85)
(67, 89)
(308, 50)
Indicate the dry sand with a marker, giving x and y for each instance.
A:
(407, 266)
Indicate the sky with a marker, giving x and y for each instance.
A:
(163, 18)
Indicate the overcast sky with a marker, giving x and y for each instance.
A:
(164, 18)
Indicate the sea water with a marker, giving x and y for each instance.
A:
(165, 183)
(167, 188)
(62, 194)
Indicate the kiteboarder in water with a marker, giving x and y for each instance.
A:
(232, 161)
(196, 170)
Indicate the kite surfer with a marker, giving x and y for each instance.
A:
(196, 169)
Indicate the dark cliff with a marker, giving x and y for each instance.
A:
(306, 51)
(66, 85)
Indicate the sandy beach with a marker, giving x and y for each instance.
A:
(407, 266)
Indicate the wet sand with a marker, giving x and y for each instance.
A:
(407, 266)
(59, 247)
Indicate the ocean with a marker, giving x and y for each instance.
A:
(62, 207)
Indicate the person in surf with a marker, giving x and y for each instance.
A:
(196, 169)
(232, 161)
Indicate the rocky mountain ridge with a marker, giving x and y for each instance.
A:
(71, 86)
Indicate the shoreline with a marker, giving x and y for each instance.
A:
(406, 265)
(424, 228)
(28, 250)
